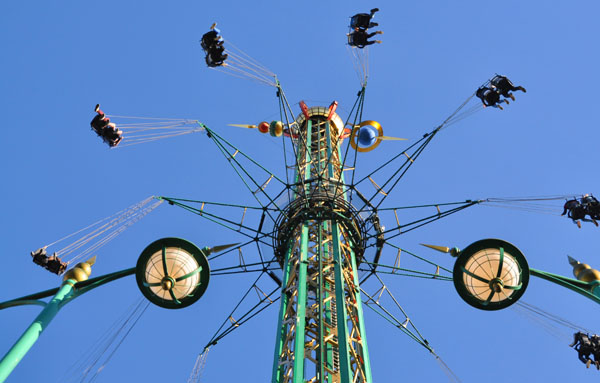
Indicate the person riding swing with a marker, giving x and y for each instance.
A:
(490, 96)
(363, 20)
(505, 86)
(584, 347)
(360, 38)
(51, 263)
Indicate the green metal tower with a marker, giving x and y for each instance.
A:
(319, 241)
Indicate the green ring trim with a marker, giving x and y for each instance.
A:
(503, 246)
(162, 244)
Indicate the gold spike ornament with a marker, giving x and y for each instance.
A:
(584, 272)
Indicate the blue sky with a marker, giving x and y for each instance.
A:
(62, 58)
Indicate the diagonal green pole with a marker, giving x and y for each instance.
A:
(31, 335)
(75, 283)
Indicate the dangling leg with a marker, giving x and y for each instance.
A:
(584, 357)
(574, 340)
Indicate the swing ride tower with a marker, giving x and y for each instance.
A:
(319, 242)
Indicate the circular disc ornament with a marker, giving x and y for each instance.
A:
(364, 133)
(263, 127)
(276, 128)
(172, 273)
(366, 136)
(491, 274)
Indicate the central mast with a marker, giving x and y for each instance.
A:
(320, 240)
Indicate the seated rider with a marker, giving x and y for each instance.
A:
(55, 265)
(363, 20)
(216, 57)
(590, 200)
(210, 40)
(583, 346)
(212, 43)
(113, 135)
(596, 350)
(490, 97)
(591, 207)
(359, 38)
(106, 129)
(576, 211)
(218, 54)
(40, 257)
(505, 86)
(52, 263)
(100, 121)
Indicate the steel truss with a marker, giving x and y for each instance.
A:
(321, 333)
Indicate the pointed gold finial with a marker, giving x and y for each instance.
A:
(248, 126)
(217, 249)
(572, 261)
(583, 272)
(444, 249)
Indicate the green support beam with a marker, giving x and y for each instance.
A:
(69, 290)
(33, 332)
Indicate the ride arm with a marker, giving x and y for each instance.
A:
(587, 289)
(79, 288)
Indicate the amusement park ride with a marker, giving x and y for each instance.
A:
(325, 224)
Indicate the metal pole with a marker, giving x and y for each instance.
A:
(75, 283)
(31, 335)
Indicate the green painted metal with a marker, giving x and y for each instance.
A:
(199, 269)
(301, 309)
(321, 307)
(298, 370)
(277, 372)
(68, 291)
(589, 290)
(340, 295)
(24, 302)
(31, 335)
(361, 321)
(320, 283)
(36, 296)
(328, 348)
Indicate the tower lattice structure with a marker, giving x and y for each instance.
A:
(319, 242)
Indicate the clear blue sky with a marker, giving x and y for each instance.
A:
(61, 58)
